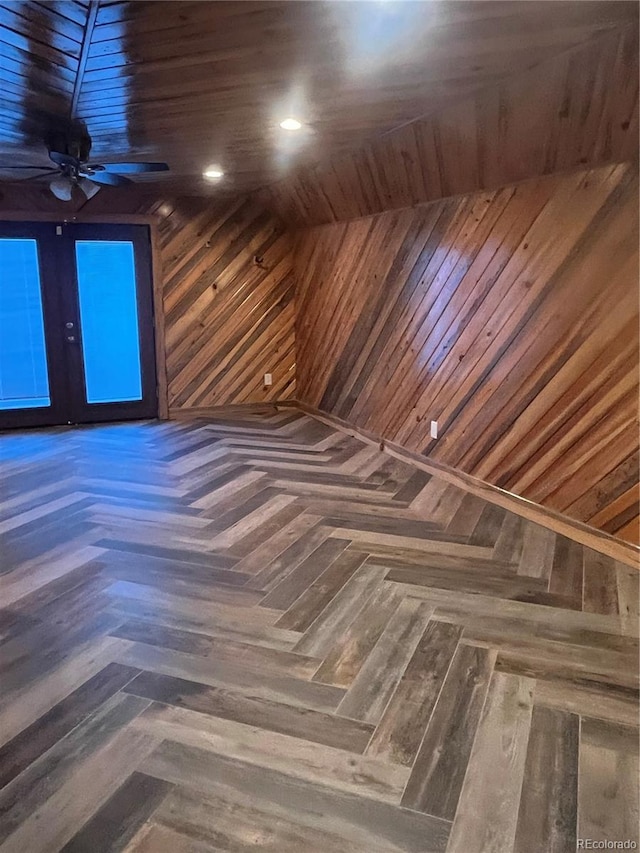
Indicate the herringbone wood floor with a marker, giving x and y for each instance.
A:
(260, 633)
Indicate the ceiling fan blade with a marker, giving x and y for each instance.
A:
(63, 159)
(106, 178)
(34, 178)
(28, 168)
(133, 168)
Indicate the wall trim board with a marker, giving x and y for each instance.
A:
(157, 275)
(97, 218)
(218, 411)
(583, 533)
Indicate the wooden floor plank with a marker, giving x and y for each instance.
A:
(400, 731)
(350, 651)
(259, 683)
(608, 785)
(598, 701)
(312, 602)
(250, 630)
(360, 820)
(32, 742)
(487, 813)
(93, 782)
(32, 702)
(22, 797)
(441, 763)
(300, 579)
(220, 824)
(298, 757)
(372, 688)
(293, 720)
(547, 819)
(339, 614)
(119, 819)
(248, 655)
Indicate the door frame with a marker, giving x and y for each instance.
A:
(157, 280)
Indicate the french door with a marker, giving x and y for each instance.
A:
(76, 324)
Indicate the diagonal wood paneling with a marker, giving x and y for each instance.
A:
(228, 303)
(510, 317)
(578, 108)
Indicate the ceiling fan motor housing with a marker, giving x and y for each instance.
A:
(73, 140)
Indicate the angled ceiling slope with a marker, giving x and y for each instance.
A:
(577, 109)
(199, 82)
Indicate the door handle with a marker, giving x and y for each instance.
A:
(70, 335)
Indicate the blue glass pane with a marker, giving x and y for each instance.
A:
(109, 321)
(24, 382)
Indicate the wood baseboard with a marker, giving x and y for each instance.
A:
(600, 541)
(225, 411)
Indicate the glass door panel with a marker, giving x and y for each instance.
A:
(32, 366)
(24, 375)
(109, 315)
(109, 321)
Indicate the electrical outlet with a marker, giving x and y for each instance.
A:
(434, 429)
(268, 379)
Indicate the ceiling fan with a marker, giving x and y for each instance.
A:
(71, 167)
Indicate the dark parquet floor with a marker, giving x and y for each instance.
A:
(260, 633)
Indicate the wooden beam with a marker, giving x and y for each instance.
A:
(84, 55)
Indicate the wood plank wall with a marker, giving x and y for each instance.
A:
(228, 303)
(509, 316)
(579, 108)
(227, 290)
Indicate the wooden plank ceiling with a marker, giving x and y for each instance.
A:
(579, 108)
(196, 83)
(41, 46)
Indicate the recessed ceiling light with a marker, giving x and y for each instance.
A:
(291, 124)
(213, 173)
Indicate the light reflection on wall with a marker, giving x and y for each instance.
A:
(434, 315)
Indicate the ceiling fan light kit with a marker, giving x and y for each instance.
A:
(72, 167)
(62, 188)
(88, 188)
